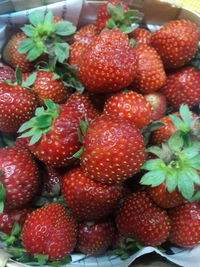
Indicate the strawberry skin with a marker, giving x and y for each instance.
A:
(176, 42)
(150, 70)
(141, 36)
(6, 73)
(131, 106)
(113, 150)
(183, 87)
(108, 63)
(140, 219)
(79, 192)
(51, 178)
(185, 225)
(85, 34)
(95, 239)
(50, 231)
(17, 105)
(9, 217)
(19, 176)
(76, 52)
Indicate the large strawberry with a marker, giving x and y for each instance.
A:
(131, 106)
(94, 238)
(183, 87)
(150, 70)
(79, 192)
(113, 150)
(140, 219)
(17, 105)
(19, 178)
(51, 231)
(185, 225)
(176, 42)
(108, 63)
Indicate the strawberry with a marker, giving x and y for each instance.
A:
(185, 225)
(85, 34)
(51, 178)
(176, 42)
(131, 106)
(140, 219)
(19, 176)
(9, 217)
(183, 87)
(158, 103)
(21, 143)
(113, 150)
(150, 70)
(17, 105)
(6, 73)
(141, 36)
(94, 238)
(50, 231)
(76, 52)
(79, 192)
(108, 63)
(45, 86)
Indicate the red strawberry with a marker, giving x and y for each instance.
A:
(22, 143)
(79, 192)
(51, 178)
(140, 219)
(185, 225)
(19, 176)
(113, 150)
(94, 238)
(76, 52)
(103, 16)
(8, 218)
(183, 87)
(85, 34)
(108, 63)
(6, 73)
(131, 106)
(17, 105)
(50, 231)
(158, 103)
(141, 36)
(176, 42)
(150, 70)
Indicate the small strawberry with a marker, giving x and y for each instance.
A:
(140, 219)
(50, 231)
(131, 106)
(6, 73)
(79, 192)
(76, 52)
(108, 63)
(19, 177)
(8, 218)
(185, 225)
(176, 42)
(150, 70)
(94, 238)
(141, 36)
(158, 103)
(85, 34)
(183, 87)
(113, 150)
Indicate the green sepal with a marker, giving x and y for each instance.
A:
(175, 142)
(151, 127)
(30, 80)
(171, 181)
(62, 51)
(56, 76)
(115, 12)
(79, 153)
(194, 162)
(153, 178)
(111, 24)
(153, 164)
(90, 223)
(28, 30)
(41, 259)
(48, 20)
(2, 196)
(179, 123)
(34, 53)
(18, 75)
(36, 17)
(64, 28)
(61, 262)
(185, 184)
(25, 46)
(185, 114)
(132, 41)
(196, 196)
(129, 29)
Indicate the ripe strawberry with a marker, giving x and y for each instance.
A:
(19, 176)
(51, 178)
(131, 106)
(158, 103)
(76, 52)
(51, 231)
(113, 150)
(6, 73)
(94, 238)
(141, 36)
(108, 63)
(150, 70)
(85, 34)
(176, 42)
(140, 219)
(9, 217)
(46, 87)
(21, 143)
(103, 16)
(185, 225)
(183, 87)
(79, 192)
(17, 105)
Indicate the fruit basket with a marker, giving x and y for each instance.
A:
(154, 14)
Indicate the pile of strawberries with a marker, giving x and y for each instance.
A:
(100, 141)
